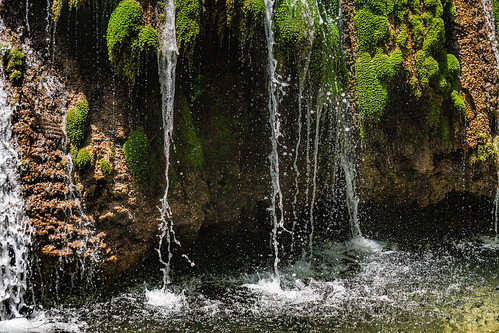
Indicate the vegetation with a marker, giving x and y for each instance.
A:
(83, 160)
(105, 167)
(413, 52)
(138, 157)
(187, 23)
(12, 63)
(58, 4)
(127, 38)
(296, 23)
(495, 8)
(190, 148)
(76, 123)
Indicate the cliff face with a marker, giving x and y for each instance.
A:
(422, 100)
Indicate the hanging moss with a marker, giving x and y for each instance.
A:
(76, 123)
(296, 23)
(372, 29)
(138, 157)
(57, 5)
(83, 160)
(435, 35)
(402, 36)
(484, 152)
(123, 41)
(187, 23)
(12, 63)
(458, 101)
(148, 39)
(426, 67)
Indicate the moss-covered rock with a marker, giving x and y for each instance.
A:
(12, 63)
(83, 160)
(148, 39)
(372, 29)
(296, 22)
(187, 23)
(76, 123)
(137, 153)
(105, 167)
(190, 148)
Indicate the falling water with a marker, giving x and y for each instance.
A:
(15, 237)
(167, 61)
(276, 206)
(491, 33)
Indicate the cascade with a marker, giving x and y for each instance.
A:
(167, 60)
(276, 206)
(346, 151)
(15, 237)
(492, 36)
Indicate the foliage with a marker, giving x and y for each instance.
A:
(138, 157)
(296, 23)
(373, 76)
(484, 152)
(127, 38)
(83, 160)
(372, 29)
(187, 23)
(57, 5)
(148, 39)
(105, 167)
(76, 123)
(12, 63)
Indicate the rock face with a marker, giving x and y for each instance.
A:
(219, 174)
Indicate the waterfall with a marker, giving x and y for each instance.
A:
(276, 205)
(15, 237)
(167, 61)
(491, 34)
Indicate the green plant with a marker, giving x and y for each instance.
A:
(187, 23)
(148, 39)
(402, 36)
(76, 123)
(123, 42)
(458, 101)
(296, 23)
(138, 157)
(105, 167)
(372, 29)
(190, 147)
(12, 63)
(83, 160)
(484, 152)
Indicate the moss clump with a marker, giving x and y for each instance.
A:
(57, 5)
(484, 152)
(427, 68)
(187, 23)
(148, 39)
(105, 167)
(402, 36)
(373, 77)
(126, 38)
(76, 123)
(138, 157)
(372, 29)
(83, 160)
(458, 101)
(12, 63)
(295, 23)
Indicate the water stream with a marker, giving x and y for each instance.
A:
(276, 202)
(15, 239)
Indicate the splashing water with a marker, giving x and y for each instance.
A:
(15, 239)
(276, 206)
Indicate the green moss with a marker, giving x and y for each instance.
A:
(188, 21)
(372, 29)
(426, 67)
(435, 35)
(12, 63)
(484, 152)
(76, 123)
(295, 23)
(417, 30)
(83, 160)
(453, 66)
(458, 101)
(105, 167)
(371, 91)
(123, 37)
(190, 148)
(402, 36)
(148, 39)
(253, 9)
(137, 153)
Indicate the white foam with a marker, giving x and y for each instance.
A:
(165, 299)
(271, 290)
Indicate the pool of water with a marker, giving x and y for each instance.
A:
(356, 286)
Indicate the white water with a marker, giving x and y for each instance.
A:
(167, 61)
(15, 238)
(276, 205)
